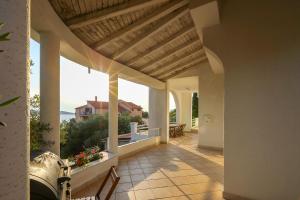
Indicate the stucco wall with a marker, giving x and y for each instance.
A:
(14, 81)
(259, 45)
(211, 108)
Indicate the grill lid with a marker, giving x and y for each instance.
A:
(47, 171)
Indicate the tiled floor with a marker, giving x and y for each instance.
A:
(178, 170)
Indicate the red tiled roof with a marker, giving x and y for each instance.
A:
(123, 105)
(99, 104)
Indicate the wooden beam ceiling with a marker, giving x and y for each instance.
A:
(159, 69)
(161, 24)
(168, 54)
(159, 13)
(180, 67)
(158, 46)
(93, 17)
(183, 70)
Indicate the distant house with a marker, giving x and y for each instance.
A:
(101, 107)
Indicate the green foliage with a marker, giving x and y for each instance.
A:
(172, 115)
(195, 106)
(37, 129)
(124, 123)
(137, 119)
(145, 115)
(76, 136)
(84, 134)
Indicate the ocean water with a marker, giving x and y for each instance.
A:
(66, 117)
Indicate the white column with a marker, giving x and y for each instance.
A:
(159, 112)
(211, 109)
(14, 82)
(50, 89)
(113, 114)
(186, 110)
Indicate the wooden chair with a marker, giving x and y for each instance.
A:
(109, 184)
(172, 131)
(182, 126)
(107, 187)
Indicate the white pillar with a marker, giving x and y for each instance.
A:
(211, 109)
(14, 81)
(50, 89)
(113, 114)
(186, 110)
(159, 112)
(133, 131)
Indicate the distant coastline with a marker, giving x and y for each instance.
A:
(66, 113)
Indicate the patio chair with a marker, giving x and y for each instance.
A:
(107, 187)
(182, 126)
(172, 131)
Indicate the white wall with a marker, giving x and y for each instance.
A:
(159, 112)
(210, 108)
(259, 45)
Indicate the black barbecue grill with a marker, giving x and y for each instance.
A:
(49, 178)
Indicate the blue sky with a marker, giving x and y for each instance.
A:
(77, 85)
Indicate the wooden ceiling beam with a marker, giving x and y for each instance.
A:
(169, 65)
(160, 25)
(182, 70)
(159, 13)
(158, 46)
(168, 54)
(96, 16)
(180, 67)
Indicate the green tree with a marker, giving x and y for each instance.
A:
(145, 115)
(37, 129)
(172, 115)
(195, 105)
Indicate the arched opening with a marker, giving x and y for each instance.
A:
(174, 107)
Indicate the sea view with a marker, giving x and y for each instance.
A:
(66, 116)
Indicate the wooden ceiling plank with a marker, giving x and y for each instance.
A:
(180, 67)
(183, 70)
(159, 69)
(153, 49)
(168, 54)
(160, 25)
(93, 17)
(163, 11)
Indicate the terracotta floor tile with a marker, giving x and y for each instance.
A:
(125, 196)
(176, 171)
(141, 185)
(144, 194)
(137, 177)
(135, 171)
(183, 180)
(199, 188)
(124, 187)
(125, 179)
(160, 183)
(155, 175)
(164, 192)
(207, 196)
(176, 198)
